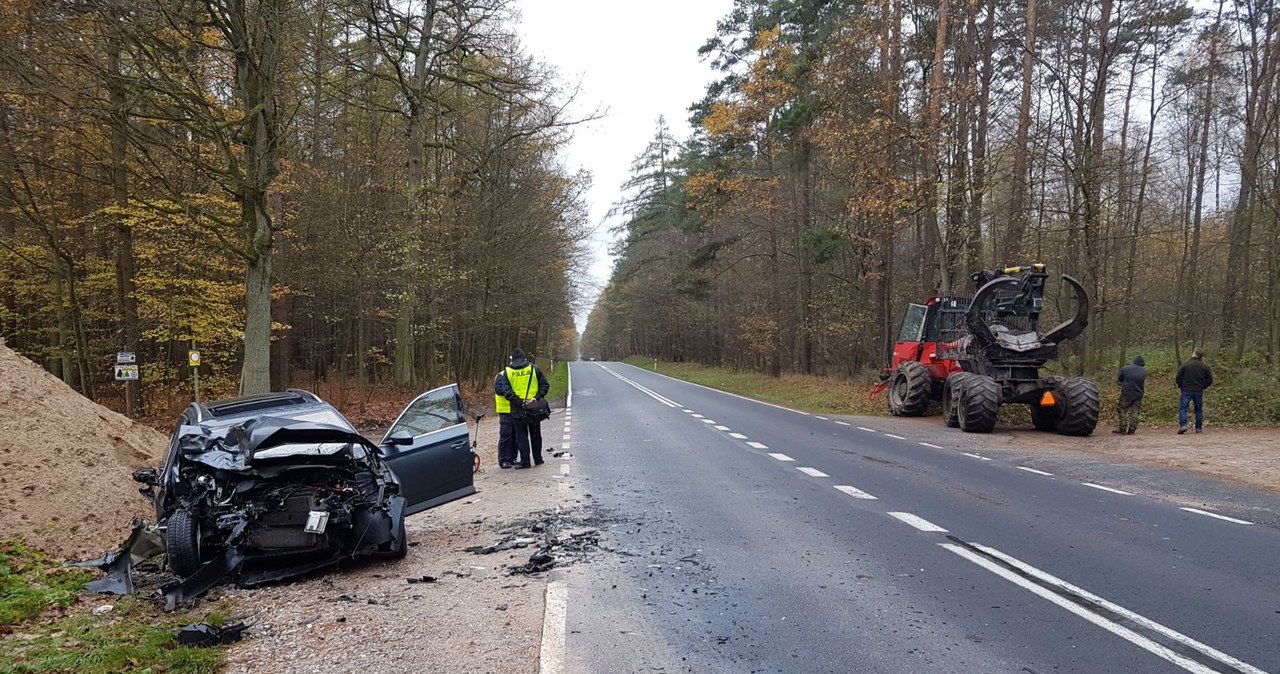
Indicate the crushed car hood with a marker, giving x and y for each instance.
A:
(235, 448)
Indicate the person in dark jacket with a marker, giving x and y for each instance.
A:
(1133, 384)
(514, 388)
(1193, 378)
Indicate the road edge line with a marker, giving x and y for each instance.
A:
(735, 395)
(554, 616)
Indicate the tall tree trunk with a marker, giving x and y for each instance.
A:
(255, 35)
(1191, 312)
(935, 240)
(126, 265)
(1019, 216)
(1259, 83)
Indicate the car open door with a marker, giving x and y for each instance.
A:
(428, 449)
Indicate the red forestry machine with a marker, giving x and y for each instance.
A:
(978, 352)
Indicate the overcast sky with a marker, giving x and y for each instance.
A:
(635, 61)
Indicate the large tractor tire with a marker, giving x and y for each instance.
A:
(182, 543)
(1079, 406)
(1044, 418)
(910, 390)
(951, 398)
(979, 403)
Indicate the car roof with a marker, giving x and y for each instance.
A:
(292, 404)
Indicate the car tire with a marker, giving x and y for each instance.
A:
(182, 543)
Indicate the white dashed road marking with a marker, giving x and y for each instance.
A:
(781, 457)
(822, 418)
(869, 430)
(975, 456)
(1216, 516)
(697, 416)
(854, 492)
(926, 444)
(1033, 470)
(708, 421)
(895, 437)
(918, 522)
(687, 411)
(843, 423)
(812, 472)
(1110, 489)
(722, 428)
(737, 436)
(758, 445)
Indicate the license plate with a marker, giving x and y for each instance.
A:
(317, 521)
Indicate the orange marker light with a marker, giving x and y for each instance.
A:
(1047, 400)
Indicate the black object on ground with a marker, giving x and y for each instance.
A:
(204, 635)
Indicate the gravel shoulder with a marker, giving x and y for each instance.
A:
(1246, 456)
(472, 617)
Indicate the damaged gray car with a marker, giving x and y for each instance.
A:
(260, 488)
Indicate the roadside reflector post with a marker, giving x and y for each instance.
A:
(193, 361)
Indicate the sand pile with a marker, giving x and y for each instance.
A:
(65, 464)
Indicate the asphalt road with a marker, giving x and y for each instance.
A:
(751, 538)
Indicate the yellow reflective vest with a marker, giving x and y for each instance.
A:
(525, 384)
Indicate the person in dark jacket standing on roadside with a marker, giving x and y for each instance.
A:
(1133, 384)
(520, 384)
(1193, 378)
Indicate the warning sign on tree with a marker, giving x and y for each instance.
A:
(193, 358)
(126, 372)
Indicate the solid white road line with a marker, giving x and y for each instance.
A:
(722, 428)
(854, 492)
(735, 395)
(918, 522)
(662, 399)
(781, 457)
(737, 436)
(758, 445)
(1033, 470)
(1110, 489)
(1216, 516)
(869, 430)
(568, 372)
(926, 444)
(843, 423)
(812, 472)
(975, 456)
(895, 437)
(1099, 620)
(551, 660)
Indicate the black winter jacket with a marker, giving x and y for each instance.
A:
(1133, 381)
(1194, 376)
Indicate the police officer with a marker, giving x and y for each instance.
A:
(518, 384)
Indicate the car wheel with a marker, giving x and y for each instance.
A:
(182, 543)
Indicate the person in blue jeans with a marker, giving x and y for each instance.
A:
(1193, 378)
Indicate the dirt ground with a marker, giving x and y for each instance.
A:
(473, 617)
(1246, 456)
(66, 464)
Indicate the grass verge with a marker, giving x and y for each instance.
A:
(1240, 396)
(559, 378)
(46, 625)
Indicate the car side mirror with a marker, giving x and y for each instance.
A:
(400, 438)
